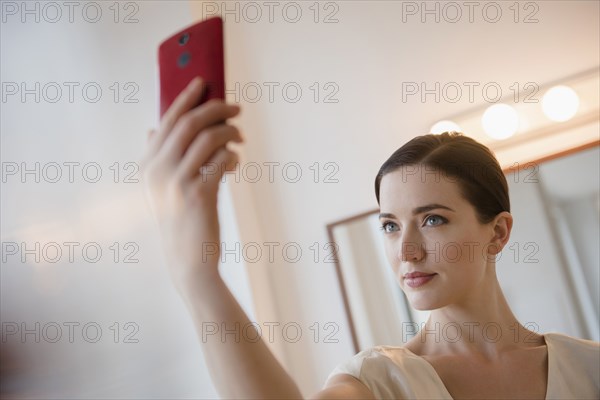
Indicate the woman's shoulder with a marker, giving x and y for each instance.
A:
(573, 350)
(387, 351)
(381, 356)
(392, 372)
(574, 366)
(566, 342)
(354, 364)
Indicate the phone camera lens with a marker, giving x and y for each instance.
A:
(183, 39)
(184, 59)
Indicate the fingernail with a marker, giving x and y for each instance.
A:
(195, 83)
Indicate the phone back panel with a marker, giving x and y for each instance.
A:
(194, 51)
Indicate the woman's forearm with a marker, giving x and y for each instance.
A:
(240, 365)
(184, 199)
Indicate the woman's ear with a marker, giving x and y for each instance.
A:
(502, 225)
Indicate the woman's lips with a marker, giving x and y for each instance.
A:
(416, 280)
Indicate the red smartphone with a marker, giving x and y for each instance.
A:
(194, 51)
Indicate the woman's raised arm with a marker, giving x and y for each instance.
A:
(183, 164)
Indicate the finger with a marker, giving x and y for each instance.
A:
(144, 159)
(212, 172)
(204, 147)
(191, 124)
(184, 102)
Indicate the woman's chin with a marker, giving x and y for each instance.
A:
(423, 307)
(421, 304)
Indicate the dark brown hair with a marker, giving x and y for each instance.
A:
(471, 164)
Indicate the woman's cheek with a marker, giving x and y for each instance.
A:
(391, 255)
(447, 247)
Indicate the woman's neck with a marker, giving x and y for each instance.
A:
(481, 323)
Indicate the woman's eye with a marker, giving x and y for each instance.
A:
(437, 220)
(387, 226)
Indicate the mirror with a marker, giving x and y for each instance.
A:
(549, 271)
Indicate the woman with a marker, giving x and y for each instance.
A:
(437, 192)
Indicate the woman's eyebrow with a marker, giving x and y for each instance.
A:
(419, 210)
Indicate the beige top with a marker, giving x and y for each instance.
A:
(393, 372)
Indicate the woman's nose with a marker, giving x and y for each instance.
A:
(411, 248)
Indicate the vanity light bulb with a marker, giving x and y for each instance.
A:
(500, 121)
(560, 103)
(444, 126)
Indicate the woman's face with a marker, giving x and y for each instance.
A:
(429, 228)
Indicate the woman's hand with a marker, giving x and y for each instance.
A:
(181, 170)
